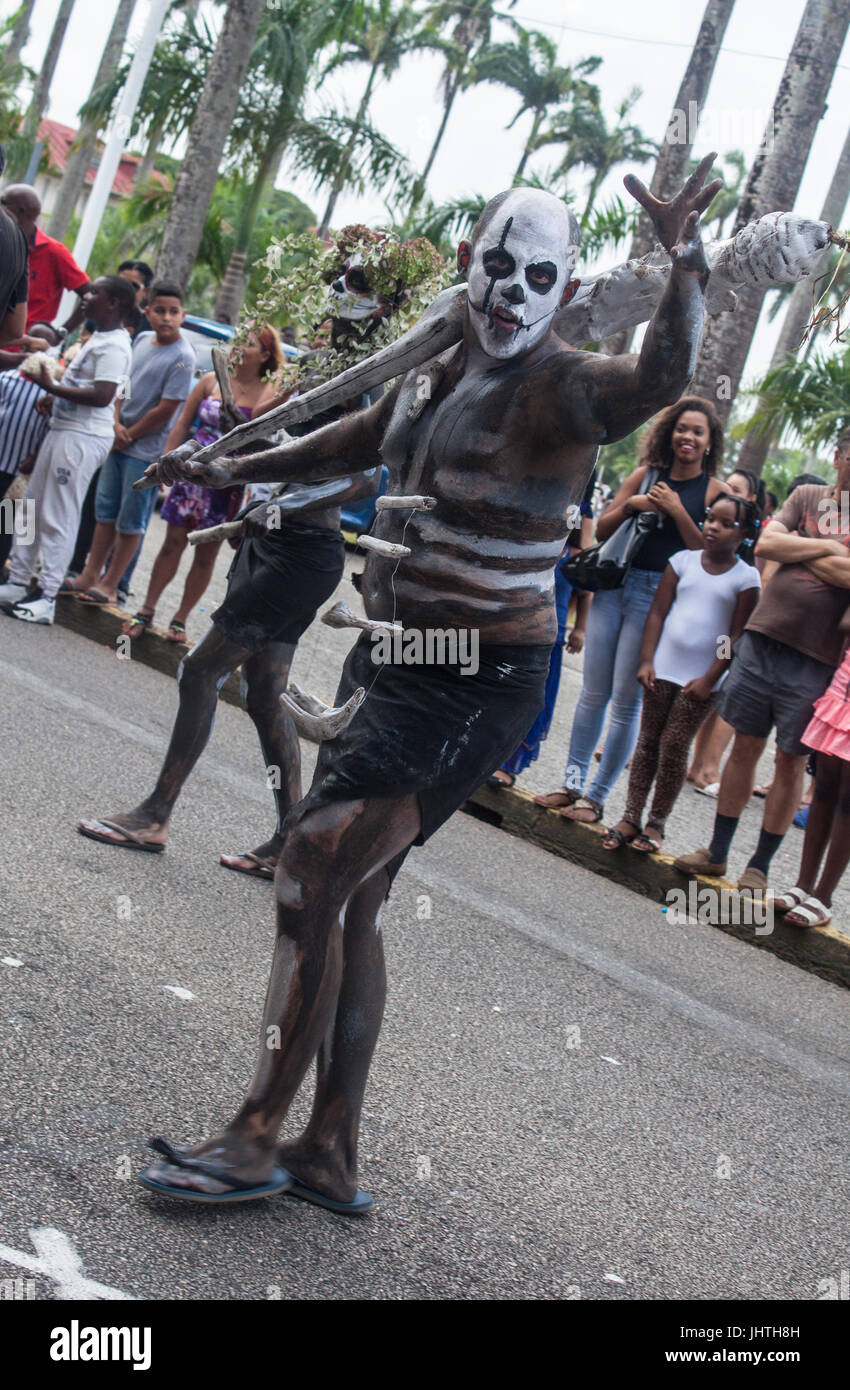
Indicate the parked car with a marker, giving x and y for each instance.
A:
(203, 334)
(359, 517)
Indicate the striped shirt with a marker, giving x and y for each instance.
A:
(21, 428)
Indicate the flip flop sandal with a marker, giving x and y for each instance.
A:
(554, 801)
(140, 620)
(240, 1191)
(497, 782)
(584, 805)
(260, 868)
(179, 633)
(619, 837)
(811, 913)
(786, 902)
(93, 596)
(98, 830)
(710, 789)
(760, 792)
(650, 845)
(358, 1206)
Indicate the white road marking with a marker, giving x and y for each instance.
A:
(179, 991)
(614, 1279)
(12, 960)
(612, 1060)
(57, 1259)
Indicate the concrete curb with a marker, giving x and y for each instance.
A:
(822, 951)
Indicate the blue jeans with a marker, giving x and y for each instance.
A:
(612, 652)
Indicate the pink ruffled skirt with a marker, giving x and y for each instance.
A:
(828, 730)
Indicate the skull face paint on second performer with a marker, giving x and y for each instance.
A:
(518, 266)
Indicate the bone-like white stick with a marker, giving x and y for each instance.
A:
(221, 367)
(439, 328)
(405, 504)
(341, 616)
(222, 532)
(380, 547)
(316, 721)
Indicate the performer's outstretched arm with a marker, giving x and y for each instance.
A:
(622, 392)
(349, 445)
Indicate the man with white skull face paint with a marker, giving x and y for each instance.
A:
(501, 431)
(519, 270)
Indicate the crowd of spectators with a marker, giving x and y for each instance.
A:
(730, 623)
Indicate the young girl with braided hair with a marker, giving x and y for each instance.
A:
(702, 605)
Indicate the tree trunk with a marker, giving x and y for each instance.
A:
(755, 448)
(231, 293)
(19, 35)
(37, 108)
(341, 175)
(773, 183)
(199, 170)
(675, 151)
(73, 180)
(528, 151)
(146, 163)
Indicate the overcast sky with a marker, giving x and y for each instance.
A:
(646, 45)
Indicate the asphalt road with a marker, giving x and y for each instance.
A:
(572, 1098)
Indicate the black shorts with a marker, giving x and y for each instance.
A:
(427, 729)
(772, 685)
(277, 582)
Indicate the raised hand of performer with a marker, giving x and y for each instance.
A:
(676, 222)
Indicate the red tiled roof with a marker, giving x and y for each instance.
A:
(59, 139)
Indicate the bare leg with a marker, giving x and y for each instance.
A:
(122, 553)
(783, 799)
(102, 542)
(822, 817)
(838, 854)
(739, 775)
(198, 578)
(711, 743)
(165, 565)
(201, 676)
(324, 1157)
(326, 857)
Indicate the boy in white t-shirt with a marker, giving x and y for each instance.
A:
(82, 427)
(700, 608)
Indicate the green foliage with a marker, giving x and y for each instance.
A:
(404, 276)
(808, 400)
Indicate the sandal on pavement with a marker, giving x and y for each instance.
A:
(140, 620)
(506, 780)
(615, 838)
(240, 1191)
(554, 801)
(177, 633)
(786, 902)
(106, 830)
(256, 868)
(811, 913)
(583, 804)
(710, 789)
(92, 596)
(645, 843)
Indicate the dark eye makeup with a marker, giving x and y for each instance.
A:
(541, 276)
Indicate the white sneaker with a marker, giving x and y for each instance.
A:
(10, 594)
(40, 610)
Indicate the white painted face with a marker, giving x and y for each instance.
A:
(520, 264)
(349, 296)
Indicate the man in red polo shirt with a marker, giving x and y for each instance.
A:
(52, 267)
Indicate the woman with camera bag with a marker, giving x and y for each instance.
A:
(685, 445)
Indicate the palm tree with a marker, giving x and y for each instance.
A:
(86, 143)
(19, 32)
(473, 23)
(388, 32)
(592, 142)
(755, 447)
(37, 108)
(207, 138)
(808, 399)
(774, 182)
(529, 66)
